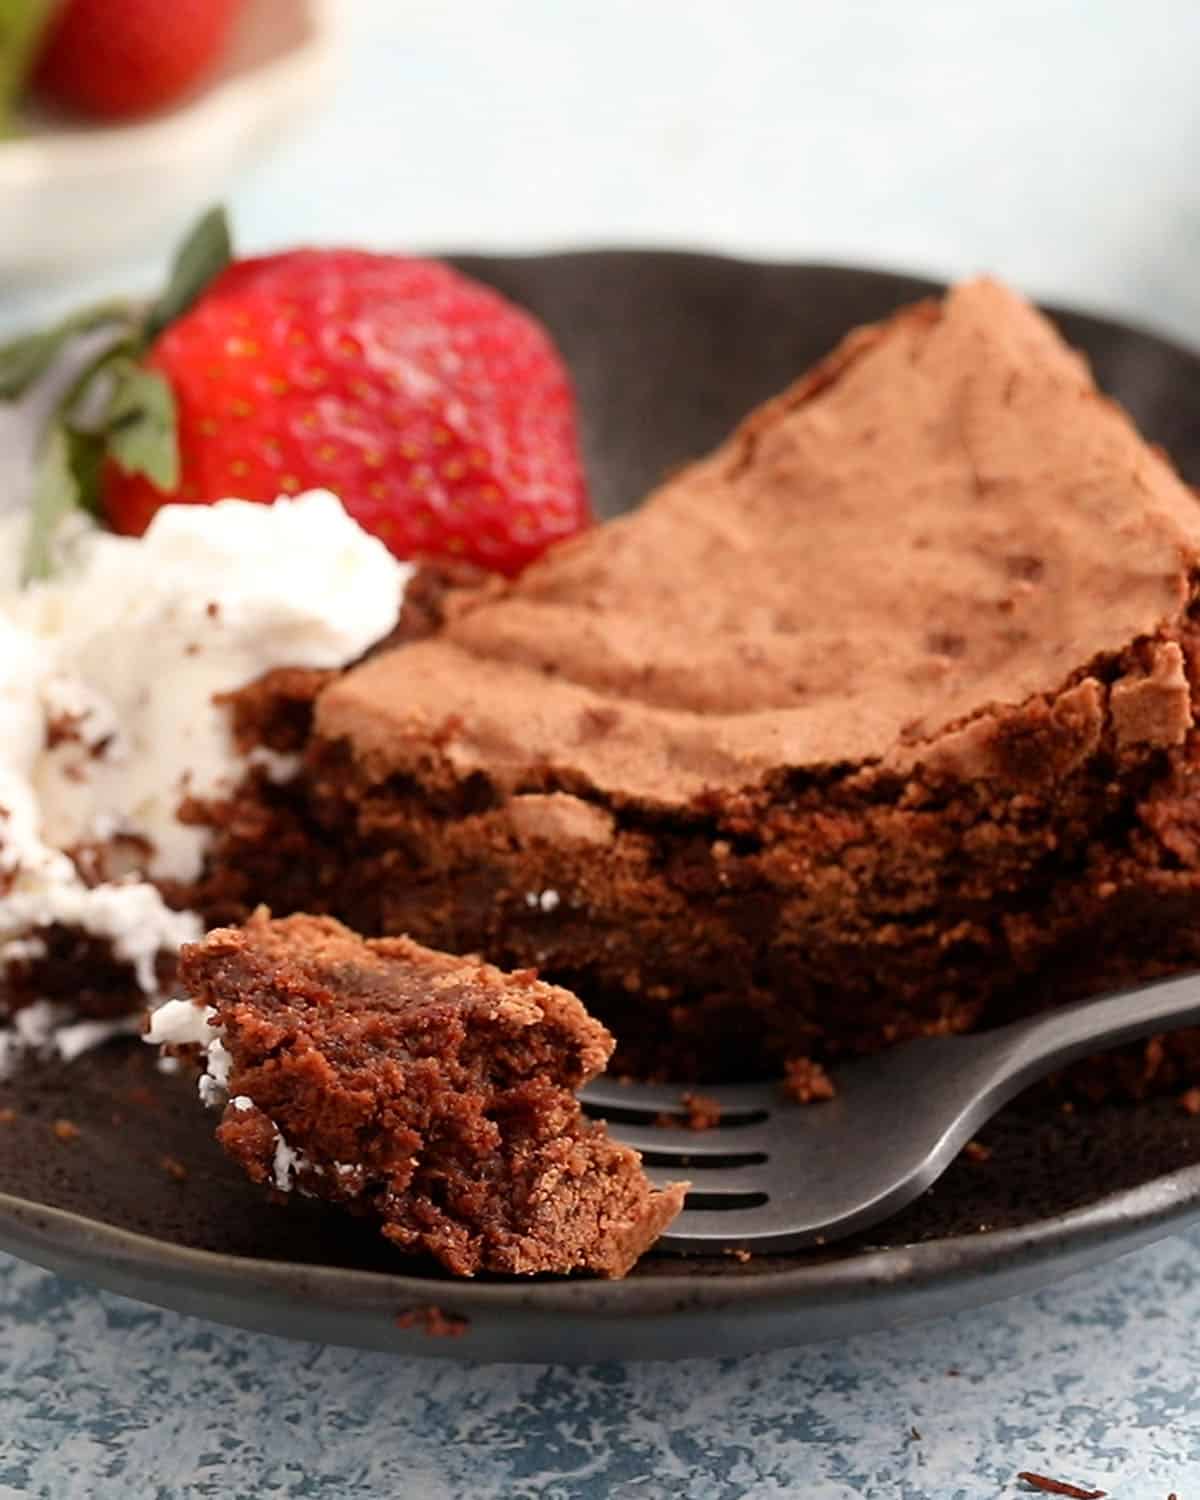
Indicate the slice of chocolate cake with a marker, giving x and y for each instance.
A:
(876, 722)
(433, 1093)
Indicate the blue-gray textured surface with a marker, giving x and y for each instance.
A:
(1052, 141)
(1095, 1381)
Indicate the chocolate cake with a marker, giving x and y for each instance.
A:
(435, 1094)
(876, 722)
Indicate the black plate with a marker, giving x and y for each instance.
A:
(668, 350)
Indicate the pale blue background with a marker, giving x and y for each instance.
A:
(1052, 142)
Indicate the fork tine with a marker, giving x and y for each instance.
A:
(657, 1140)
(714, 1182)
(667, 1098)
(716, 1228)
(654, 1098)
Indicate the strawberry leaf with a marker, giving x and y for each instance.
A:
(139, 424)
(25, 360)
(86, 457)
(55, 492)
(22, 26)
(113, 408)
(206, 251)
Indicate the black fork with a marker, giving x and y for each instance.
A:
(773, 1175)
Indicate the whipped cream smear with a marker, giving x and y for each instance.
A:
(182, 1023)
(109, 676)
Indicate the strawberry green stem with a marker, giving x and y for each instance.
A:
(23, 23)
(115, 408)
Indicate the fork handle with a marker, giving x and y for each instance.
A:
(1040, 1045)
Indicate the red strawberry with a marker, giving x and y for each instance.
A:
(120, 58)
(438, 412)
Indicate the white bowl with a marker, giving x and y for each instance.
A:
(79, 194)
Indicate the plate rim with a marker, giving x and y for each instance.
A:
(1155, 1208)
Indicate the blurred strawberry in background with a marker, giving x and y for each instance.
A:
(109, 59)
(117, 59)
(121, 119)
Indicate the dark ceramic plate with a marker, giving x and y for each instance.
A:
(669, 351)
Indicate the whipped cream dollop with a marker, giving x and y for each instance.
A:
(40, 885)
(110, 673)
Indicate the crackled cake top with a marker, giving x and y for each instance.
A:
(943, 519)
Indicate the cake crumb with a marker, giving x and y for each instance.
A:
(695, 1112)
(700, 1111)
(174, 1168)
(976, 1151)
(806, 1081)
(433, 1321)
(7, 1115)
(738, 1253)
(1190, 1101)
(1045, 1486)
(63, 728)
(65, 1130)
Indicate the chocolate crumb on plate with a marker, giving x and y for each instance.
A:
(696, 1112)
(433, 1321)
(806, 1081)
(701, 1111)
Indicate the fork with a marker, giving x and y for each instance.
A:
(773, 1175)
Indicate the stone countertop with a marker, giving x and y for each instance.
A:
(1050, 141)
(1095, 1381)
